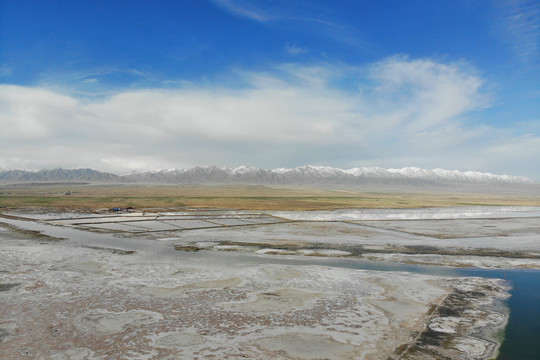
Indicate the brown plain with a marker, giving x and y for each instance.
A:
(245, 197)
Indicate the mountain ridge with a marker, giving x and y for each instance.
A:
(303, 175)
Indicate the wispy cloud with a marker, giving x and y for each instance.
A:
(402, 112)
(5, 70)
(312, 18)
(247, 9)
(294, 49)
(519, 26)
(90, 81)
(98, 82)
(147, 75)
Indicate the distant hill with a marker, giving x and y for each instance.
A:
(57, 175)
(304, 175)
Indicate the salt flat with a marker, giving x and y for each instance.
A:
(70, 302)
(119, 293)
(485, 238)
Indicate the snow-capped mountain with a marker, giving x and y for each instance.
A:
(437, 175)
(314, 175)
(309, 174)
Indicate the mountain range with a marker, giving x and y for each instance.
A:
(304, 175)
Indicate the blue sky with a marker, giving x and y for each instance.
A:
(137, 85)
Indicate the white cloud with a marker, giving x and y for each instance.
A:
(422, 97)
(403, 113)
(30, 114)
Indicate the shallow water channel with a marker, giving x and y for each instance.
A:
(522, 335)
